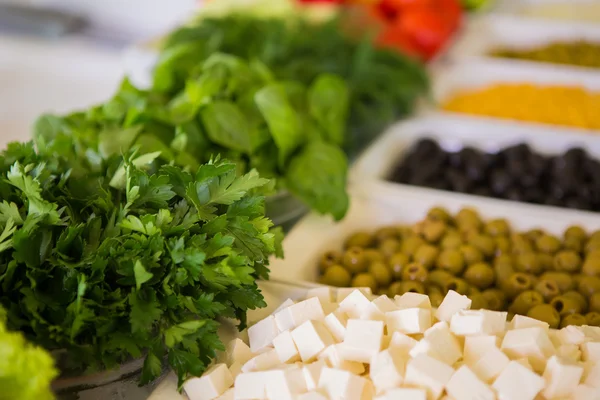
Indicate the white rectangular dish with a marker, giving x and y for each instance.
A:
(565, 10)
(374, 206)
(492, 32)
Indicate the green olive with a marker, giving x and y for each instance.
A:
(384, 233)
(360, 239)
(496, 299)
(471, 254)
(589, 285)
(503, 245)
(573, 244)
(497, 227)
(504, 259)
(354, 260)
(467, 217)
(436, 299)
(525, 301)
(397, 262)
(478, 302)
(593, 318)
(548, 244)
(595, 235)
(389, 247)
(592, 245)
(567, 261)
(395, 289)
(328, 259)
(595, 302)
(439, 214)
(451, 261)
(591, 266)
(458, 285)
(503, 272)
(521, 244)
(528, 262)
(546, 261)
(547, 288)
(381, 273)
(575, 231)
(410, 245)
(577, 278)
(373, 255)
(336, 275)
(404, 231)
(562, 279)
(433, 230)
(480, 275)
(472, 290)
(412, 286)
(451, 241)
(545, 313)
(427, 255)
(534, 234)
(415, 272)
(573, 319)
(566, 305)
(579, 298)
(439, 277)
(517, 283)
(365, 280)
(484, 243)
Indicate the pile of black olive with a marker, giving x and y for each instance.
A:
(517, 173)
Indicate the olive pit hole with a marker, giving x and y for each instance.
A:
(559, 305)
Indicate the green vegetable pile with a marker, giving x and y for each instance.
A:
(120, 258)
(26, 371)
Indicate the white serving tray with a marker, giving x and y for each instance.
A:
(564, 10)
(491, 32)
(374, 206)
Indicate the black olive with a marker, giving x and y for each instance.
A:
(516, 166)
(458, 180)
(534, 195)
(515, 193)
(517, 152)
(500, 181)
(482, 191)
(528, 179)
(577, 203)
(553, 201)
(575, 155)
(427, 147)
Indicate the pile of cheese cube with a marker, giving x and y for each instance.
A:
(353, 347)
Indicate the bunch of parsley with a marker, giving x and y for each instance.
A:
(116, 258)
(231, 107)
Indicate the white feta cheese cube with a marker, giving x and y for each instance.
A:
(236, 369)
(355, 304)
(477, 346)
(363, 340)
(228, 395)
(313, 395)
(590, 351)
(335, 358)
(284, 384)
(342, 293)
(262, 333)
(452, 303)
(261, 362)
(412, 300)
(585, 392)
(324, 294)
(213, 383)
(569, 352)
(522, 322)
(518, 383)
(490, 364)
(387, 370)
(409, 320)
(591, 374)
(465, 385)
(561, 376)
(592, 333)
(404, 394)
(368, 391)
(428, 373)
(478, 322)
(439, 343)
(402, 344)
(571, 335)
(295, 315)
(237, 351)
(312, 373)
(286, 348)
(311, 338)
(285, 304)
(533, 343)
(378, 307)
(341, 385)
(251, 386)
(525, 362)
(336, 324)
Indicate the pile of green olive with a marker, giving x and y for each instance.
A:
(532, 273)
